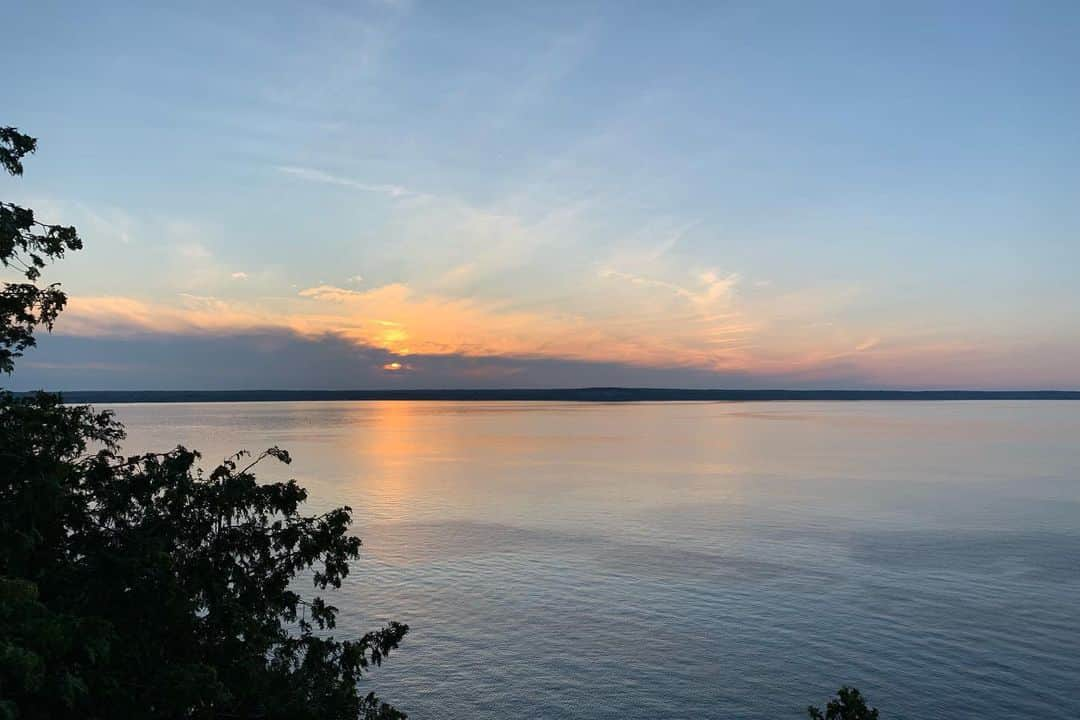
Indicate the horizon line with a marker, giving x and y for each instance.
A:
(553, 394)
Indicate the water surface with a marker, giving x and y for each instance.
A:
(694, 560)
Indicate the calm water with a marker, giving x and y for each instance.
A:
(694, 560)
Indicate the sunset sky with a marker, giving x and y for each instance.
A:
(462, 194)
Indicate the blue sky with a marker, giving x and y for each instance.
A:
(410, 194)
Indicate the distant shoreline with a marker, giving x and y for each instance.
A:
(596, 394)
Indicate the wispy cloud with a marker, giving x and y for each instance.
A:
(108, 223)
(547, 69)
(330, 293)
(867, 344)
(313, 175)
(710, 290)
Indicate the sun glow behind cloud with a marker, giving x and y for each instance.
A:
(395, 318)
(702, 325)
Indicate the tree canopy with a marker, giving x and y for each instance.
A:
(142, 586)
(26, 245)
(848, 705)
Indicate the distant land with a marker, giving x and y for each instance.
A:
(591, 394)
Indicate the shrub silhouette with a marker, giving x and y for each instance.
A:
(848, 705)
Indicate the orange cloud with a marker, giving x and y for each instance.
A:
(627, 319)
(395, 318)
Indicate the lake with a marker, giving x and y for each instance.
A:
(692, 560)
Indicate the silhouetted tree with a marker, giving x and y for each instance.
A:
(140, 587)
(27, 245)
(848, 705)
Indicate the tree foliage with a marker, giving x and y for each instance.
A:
(26, 244)
(141, 586)
(848, 705)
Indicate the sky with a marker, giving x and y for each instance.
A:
(417, 194)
